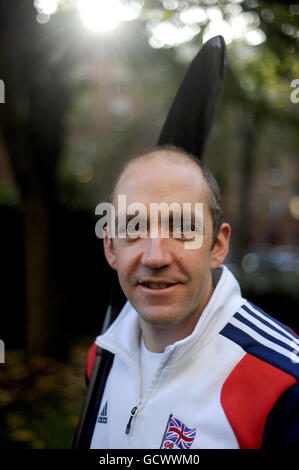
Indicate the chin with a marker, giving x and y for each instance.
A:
(159, 316)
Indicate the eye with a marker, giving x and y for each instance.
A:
(133, 230)
(182, 229)
(187, 232)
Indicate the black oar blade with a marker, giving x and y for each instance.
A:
(191, 114)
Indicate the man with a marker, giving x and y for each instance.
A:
(195, 365)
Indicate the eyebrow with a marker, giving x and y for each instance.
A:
(128, 218)
(170, 215)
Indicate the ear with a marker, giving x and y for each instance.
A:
(221, 246)
(109, 250)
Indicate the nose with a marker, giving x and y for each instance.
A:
(156, 254)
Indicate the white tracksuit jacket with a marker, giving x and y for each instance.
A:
(219, 384)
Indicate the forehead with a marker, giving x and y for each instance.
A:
(158, 178)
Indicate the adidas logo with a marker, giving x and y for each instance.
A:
(102, 418)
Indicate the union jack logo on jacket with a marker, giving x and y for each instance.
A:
(178, 435)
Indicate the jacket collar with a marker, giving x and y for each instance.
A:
(123, 336)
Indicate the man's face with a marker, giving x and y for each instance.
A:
(166, 283)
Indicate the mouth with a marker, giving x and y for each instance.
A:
(155, 286)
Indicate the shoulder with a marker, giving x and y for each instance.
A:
(106, 359)
(264, 338)
(263, 385)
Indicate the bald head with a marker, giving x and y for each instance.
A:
(168, 167)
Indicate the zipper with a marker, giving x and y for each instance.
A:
(134, 410)
(132, 415)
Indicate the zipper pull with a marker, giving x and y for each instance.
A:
(133, 413)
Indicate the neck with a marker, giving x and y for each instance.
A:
(156, 339)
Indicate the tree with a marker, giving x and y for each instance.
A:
(32, 123)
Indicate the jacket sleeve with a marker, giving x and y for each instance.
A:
(282, 426)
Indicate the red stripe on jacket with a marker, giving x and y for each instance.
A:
(249, 394)
(91, 357)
